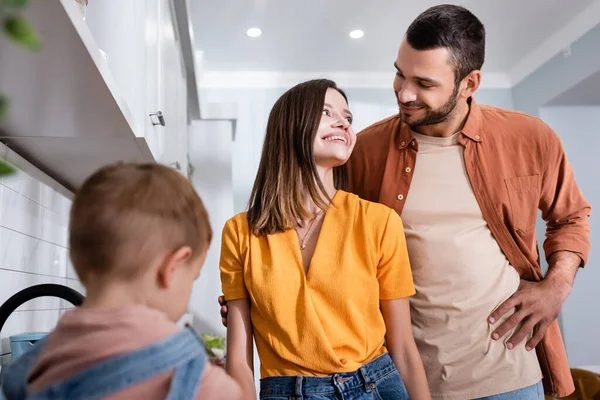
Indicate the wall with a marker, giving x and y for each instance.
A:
(254, 105)
(579, 132)
(559, 74)
(33, 244)
(210, 145)
(211, 151)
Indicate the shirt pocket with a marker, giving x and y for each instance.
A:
(524, 196)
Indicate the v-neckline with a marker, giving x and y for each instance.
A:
(298, 252)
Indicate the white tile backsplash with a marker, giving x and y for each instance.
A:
(19, 213)
(71, 270)
(54, 227)
(19, 252)
(24, 185)
(34, 216)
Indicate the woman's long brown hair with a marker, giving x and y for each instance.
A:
(287, 166)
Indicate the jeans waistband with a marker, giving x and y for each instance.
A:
(365, 376)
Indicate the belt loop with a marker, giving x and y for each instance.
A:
(299, 387)
(336, 384)
(366, 379)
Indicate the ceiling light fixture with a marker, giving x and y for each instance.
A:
(253, 32)
(357, 34)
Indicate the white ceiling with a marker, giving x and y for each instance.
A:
(312, 35)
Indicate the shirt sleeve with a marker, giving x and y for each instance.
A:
(230, 264)
(563, 206)
(393, 272)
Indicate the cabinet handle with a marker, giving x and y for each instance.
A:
(159, 116)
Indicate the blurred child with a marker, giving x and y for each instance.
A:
(139, 234)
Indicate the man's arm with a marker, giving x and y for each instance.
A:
(563, 206)
(567, 246)
(563, 266)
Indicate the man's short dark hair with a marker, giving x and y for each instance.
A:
(452, 27)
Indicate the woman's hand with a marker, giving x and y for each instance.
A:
(403, 349)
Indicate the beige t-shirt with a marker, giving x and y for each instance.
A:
(461, 276)
(84, 337)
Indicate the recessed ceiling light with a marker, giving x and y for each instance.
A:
(253, 32)
(357, 34)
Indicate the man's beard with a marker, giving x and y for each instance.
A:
(432, 117)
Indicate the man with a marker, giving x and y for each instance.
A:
(467, 181)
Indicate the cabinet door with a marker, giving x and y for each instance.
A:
(143, 52)
(172, 89)
(153, 52)
(118, 29)
(180, 113)
(182, 149)
(176, 144)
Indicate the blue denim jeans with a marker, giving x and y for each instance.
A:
(533, 392)
(376, 380)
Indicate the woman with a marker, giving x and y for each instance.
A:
(319, 276)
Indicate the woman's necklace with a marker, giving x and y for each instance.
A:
(302, 240)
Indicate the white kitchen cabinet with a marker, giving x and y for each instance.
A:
(172, 92)
(139, 38)
(118, 30)
(152, 82)
(84, 100)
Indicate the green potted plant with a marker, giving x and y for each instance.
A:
(216, 348)
(21, 32)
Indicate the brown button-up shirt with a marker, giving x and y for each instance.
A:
(516, 165)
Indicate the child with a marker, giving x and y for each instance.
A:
(139, 234)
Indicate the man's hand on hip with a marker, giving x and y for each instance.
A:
(537, 303)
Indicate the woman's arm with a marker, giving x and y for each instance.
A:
(402, 348)
(240, 354)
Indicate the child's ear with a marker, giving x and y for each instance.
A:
(171, 263)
